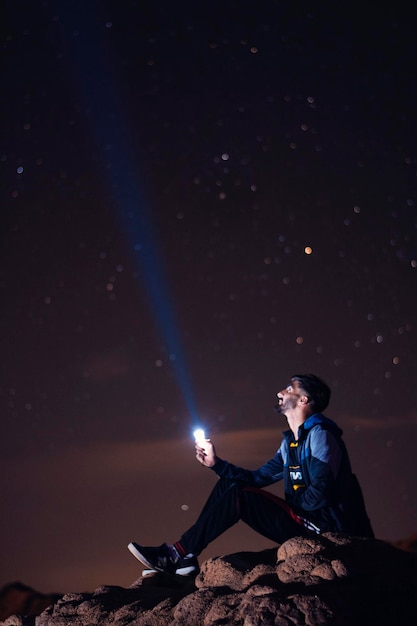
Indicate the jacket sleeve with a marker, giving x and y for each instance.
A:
(270, 472)
(320, 472)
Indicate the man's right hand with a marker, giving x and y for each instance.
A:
(205, 453)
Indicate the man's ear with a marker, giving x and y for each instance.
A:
(304, 399)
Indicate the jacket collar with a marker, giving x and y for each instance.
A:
(314, 420)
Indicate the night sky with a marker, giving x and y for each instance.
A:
(198, 200)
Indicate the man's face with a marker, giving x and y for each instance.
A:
(289, 397)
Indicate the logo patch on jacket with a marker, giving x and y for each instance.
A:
(296, 475)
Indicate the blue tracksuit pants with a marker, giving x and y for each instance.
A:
(230, 502)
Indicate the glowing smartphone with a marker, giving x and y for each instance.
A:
(199, 436)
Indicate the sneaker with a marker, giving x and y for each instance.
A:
(160, 560)
(147, 571)
(187, 566)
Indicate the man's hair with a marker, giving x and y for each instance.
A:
(316, 389)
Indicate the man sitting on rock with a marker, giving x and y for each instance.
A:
(321, 492)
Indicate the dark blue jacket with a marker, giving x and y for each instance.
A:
(330, 496)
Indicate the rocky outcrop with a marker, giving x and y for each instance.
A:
(17, 598)
(329, 580)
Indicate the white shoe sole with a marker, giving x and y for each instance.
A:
(147, 572)
(185, 571)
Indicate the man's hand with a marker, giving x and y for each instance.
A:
(205, 453)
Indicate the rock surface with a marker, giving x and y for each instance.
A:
(19, 598)
(329, 580)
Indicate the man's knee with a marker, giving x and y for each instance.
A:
(226, 484)
(227, 489)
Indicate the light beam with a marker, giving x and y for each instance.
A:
(108, 121)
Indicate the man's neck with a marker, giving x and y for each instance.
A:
(295, 420)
